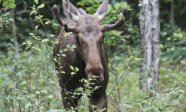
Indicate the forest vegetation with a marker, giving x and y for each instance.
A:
(28, 80)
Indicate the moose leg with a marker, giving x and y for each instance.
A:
(68, 101)
(98, 102)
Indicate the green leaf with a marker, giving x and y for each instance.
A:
(41, 6)
(50, 96)
(72, 68)
(36, 1)
(37, 92)
(44, 91)
(45, 40)
(9, 4)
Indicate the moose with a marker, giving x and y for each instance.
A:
(86, 32)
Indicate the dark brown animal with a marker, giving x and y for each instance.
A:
(89, 56)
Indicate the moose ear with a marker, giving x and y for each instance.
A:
(102, 10)
(70, 10)
(66, 8)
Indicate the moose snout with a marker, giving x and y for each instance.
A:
(95, 71)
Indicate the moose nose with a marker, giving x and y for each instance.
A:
(97, 71)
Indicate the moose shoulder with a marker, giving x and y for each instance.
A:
(89, 55)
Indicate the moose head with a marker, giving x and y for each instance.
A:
(89, 33)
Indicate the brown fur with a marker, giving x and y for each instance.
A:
(90, 59)
(89, 56)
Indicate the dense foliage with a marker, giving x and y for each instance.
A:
(28, 81)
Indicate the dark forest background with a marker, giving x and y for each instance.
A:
(28, 82)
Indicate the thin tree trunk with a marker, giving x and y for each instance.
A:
(14, 27)
(172, 14)
(150, 31)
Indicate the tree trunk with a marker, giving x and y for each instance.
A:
(150, 30)
(172, 14)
